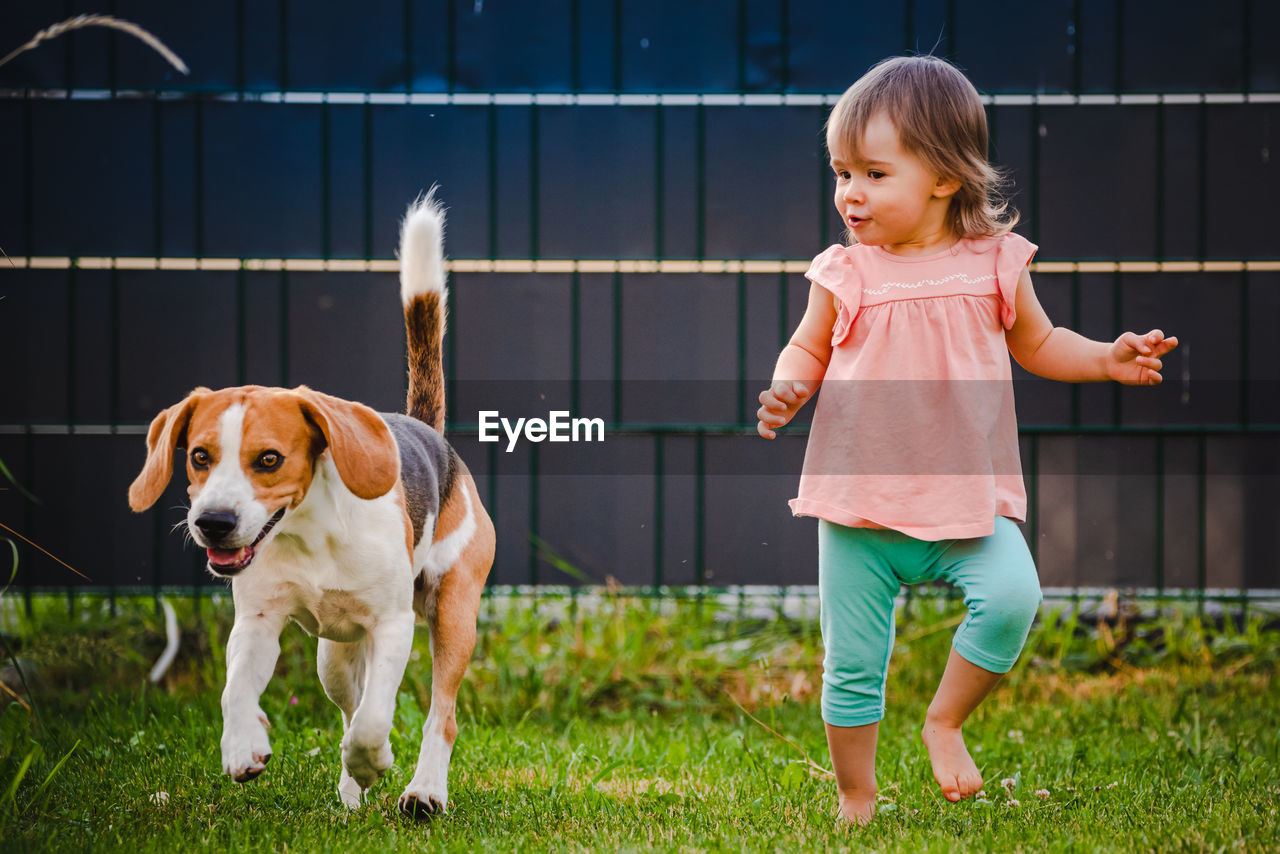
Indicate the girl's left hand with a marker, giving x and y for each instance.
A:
(1135, 359)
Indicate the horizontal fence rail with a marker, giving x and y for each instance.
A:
(713, 266)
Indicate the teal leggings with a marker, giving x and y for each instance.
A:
(861, 570)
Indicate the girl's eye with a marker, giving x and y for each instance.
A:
(843, 175)
(875, 175)
(200, 458)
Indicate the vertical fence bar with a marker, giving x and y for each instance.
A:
(406, 9)
(992, 129)
(450, 352)
(1246, 53)
(1202, 520)
(784, 311)
(326, 181)
(451, 59)
(1117, 326)
(284, 45)
(1077, 40)
(659, 181)
(73, 354)
(366, 178)
(113, 381)
(1033, 500)
(157, 233)
(824, 203)
(742, 45)
(28, 514)
(951, 30)
(659, 509)
(909, 26)
(1244, 348)
(784, 46)
(1161, 118)
(73, 413)
(1202, 181)
(1118, 29)
(575, 341)
(283, 334)
(534, 182)
(158, 531)
(700, 212)
(239, 17)
(617, 46)
(1160, 519)
(1244, 406)
(742, 348)
(242, 326)
(493, 178)
(1076, 316)
(157, 174)
(700, 509)
(492, 486)
(575, 46)
(534, 521)
(1033, 202)
(617, 347)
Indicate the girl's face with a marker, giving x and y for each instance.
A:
(887, 196)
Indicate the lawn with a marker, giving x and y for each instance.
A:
(629, 723)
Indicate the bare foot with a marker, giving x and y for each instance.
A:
(857, 809)
(953, 767)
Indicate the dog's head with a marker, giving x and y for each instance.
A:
(251, 455)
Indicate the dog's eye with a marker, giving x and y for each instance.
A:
(269, 460)
(200, 458)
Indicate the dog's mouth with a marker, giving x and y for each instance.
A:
(232, 561)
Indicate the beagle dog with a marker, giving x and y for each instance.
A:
(351, 523)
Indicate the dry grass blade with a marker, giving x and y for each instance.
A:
(81, 21)
(813, 766)
(46, 551)
(15, 695)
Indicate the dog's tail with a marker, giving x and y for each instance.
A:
(422, 279)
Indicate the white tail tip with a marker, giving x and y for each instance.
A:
(422, 248)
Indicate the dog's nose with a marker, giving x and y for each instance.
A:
(216, 524)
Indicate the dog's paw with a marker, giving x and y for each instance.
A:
(366, 762)
(246, 750)
(349, 792)
(422, 804)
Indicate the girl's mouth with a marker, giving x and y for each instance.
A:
(855, 221)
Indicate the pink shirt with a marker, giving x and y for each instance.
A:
(915, 428)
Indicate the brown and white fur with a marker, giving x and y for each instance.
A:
(351, 524)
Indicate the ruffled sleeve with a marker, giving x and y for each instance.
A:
(1013, 252)
(835, 270)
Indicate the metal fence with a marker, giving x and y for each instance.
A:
(635, 189)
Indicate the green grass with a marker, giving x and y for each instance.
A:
(621, 729)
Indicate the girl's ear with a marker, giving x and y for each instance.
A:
(946, 187)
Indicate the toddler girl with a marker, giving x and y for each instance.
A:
(912, 464)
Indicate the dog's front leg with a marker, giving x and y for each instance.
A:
(366, 750)
(252, 650)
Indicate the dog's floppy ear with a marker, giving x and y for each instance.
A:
(363, 449)
(168, 432)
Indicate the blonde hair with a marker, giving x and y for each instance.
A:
(940, 119)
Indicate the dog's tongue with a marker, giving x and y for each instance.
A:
(225, 557)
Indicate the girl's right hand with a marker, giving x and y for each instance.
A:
(779, 404)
